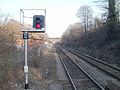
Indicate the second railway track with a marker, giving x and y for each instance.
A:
(111, 70)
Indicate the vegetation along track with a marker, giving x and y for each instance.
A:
(79, 79)
(107, 75)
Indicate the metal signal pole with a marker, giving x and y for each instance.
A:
(25, 37)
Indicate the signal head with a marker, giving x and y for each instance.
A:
(38, 21)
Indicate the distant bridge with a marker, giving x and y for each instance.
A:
(54, 40)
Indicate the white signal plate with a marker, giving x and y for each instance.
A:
(26, 69)
(34, 30)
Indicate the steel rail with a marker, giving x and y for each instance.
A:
(72, 82)
(94, 59)
(97, 60)
(95, 82)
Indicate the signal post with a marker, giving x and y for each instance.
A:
(38, 26)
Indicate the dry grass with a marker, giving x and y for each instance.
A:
(6, 77)
(35, 73)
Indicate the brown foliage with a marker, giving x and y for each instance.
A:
(97, 43)
(8, 32)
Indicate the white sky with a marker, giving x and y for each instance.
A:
(59, 13)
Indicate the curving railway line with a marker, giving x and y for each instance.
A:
(98, 74)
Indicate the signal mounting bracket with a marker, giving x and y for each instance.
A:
(27, 14)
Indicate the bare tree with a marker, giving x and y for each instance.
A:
(9, 29)
(97, 22)
(85, 15)
(72, 35)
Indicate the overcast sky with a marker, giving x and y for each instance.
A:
(60, 13)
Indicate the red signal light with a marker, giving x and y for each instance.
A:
(38, 26)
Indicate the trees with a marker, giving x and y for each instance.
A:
(111, 12)
(85, 15)
(71, 36)
(112, 20)
(97, 22)
(110, 8)
(112, 16)
(9, 28)
(118, 10)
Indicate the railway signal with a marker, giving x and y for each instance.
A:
(38, 26)
(38, 21)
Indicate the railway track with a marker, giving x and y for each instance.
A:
(96, 69)
(109, 69)
(77, 75)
